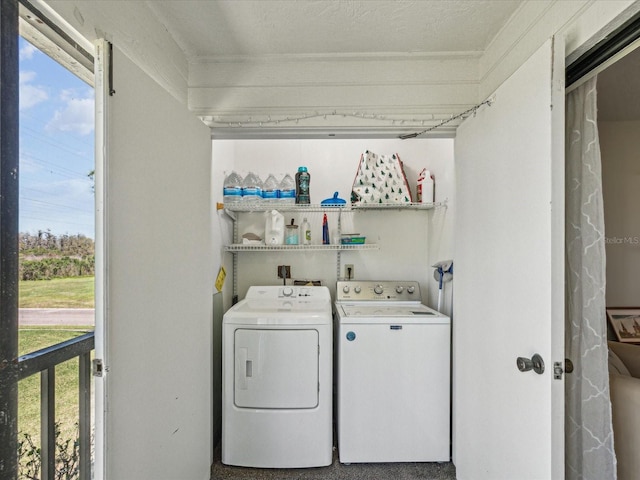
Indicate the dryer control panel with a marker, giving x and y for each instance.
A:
(273, 292)
(388, 291)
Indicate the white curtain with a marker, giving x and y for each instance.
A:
(588, 430)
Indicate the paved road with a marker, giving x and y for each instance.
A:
(56, 316)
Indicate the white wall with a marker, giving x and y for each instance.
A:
(620, 147)
(409, 241)
(159, 279)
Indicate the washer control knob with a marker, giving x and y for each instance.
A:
(411, 289)
(378, 289)
(357, 289)
(399, 289)
(287, 291)
(345, 289)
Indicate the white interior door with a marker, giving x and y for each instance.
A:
(509, 286)
(154, 278)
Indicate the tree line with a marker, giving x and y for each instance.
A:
(44, 256)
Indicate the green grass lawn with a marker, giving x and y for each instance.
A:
(76, 292)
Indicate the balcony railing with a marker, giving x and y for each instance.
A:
(44, 362)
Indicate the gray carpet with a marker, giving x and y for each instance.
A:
(338, 471)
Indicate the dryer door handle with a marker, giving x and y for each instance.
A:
(242, 367)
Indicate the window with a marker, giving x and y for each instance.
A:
(56, 188)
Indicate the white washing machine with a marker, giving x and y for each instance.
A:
(393, 374)
(277, 379)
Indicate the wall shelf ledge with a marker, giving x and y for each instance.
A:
(299, 248)
(240, 207)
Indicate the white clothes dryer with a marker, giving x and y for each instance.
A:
(277, 379)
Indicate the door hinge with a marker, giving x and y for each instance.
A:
(558, 369)
(97, 367)
(112, 91)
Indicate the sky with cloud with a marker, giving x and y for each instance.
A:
(56, 147)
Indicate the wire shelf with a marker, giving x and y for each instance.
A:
(256, 207)
(299, 248)
(399, 206)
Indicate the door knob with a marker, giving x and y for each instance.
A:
(535, 363)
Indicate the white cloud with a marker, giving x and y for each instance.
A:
(64, 206)
(27, 51)
(76, 115)
(67, 94)
(30, 95)
(27, 165)
(26, 76)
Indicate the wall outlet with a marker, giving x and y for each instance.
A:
(286, 269)
(349, 271)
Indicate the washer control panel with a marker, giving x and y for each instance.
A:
(388, 291)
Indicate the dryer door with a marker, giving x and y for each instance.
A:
(276, 368)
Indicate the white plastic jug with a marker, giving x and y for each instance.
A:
(274, 228)
(426, 187)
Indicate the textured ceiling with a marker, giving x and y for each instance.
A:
(210, 29)
(217, 28)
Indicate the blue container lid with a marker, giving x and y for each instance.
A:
(333, 201)
(302, 169)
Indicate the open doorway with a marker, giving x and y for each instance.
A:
(602, 230)
(55, 248)
(618, 127)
